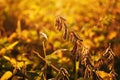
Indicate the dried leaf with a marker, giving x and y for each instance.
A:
(73, 37)
(59, 23)
(43, 36)
(99, 63)
(62, 75)
(113, 74)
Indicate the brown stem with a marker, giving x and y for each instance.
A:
(55, 68)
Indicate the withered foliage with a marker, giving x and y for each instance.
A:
(90, 71)
(60, 24)
(81, 54)
(71, 35)
(106, 58)
(62, 75)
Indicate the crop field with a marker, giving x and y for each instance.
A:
(59, 39)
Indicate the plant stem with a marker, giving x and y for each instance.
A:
(76, 69)
(53, 67)
(44, 51)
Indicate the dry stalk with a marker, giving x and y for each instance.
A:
(53, 67)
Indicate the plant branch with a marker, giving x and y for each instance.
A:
(55, 68)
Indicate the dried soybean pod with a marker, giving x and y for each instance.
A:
(65, 31)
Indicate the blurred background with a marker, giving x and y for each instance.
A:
(97, 22)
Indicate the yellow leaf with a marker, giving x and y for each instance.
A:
(15, 63)
(101, 38)
(12, 45)
(104, 75)
(88, 43)
(6, 75)
(112, 34)
(7, 58)
(3, 50)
